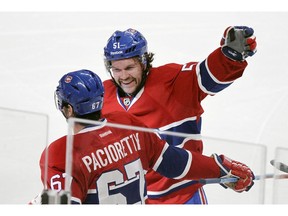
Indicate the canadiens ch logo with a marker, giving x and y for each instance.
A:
(126, 101)
(68, 79)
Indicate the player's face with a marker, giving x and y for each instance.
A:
(127, 74)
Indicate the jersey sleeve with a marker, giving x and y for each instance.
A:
(178, 163)
(217, 72)
(54, 166)
(199, 79)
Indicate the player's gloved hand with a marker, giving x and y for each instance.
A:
(231, 168)
(238, 42)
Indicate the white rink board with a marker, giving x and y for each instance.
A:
(23, 138)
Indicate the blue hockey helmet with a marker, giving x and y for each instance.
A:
(125, 44)
(82, 89)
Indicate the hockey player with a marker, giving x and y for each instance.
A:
(169, 97)
(109, 164)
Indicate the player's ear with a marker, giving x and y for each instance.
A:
(68, 111)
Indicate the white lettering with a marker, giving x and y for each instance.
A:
(87, 161)
(95, 161)
(136, 138)
(116, 52)
(105, 133)
(98, 152)
(112, 152)
(125, 141)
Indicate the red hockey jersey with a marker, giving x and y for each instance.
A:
(171, 101)
(110, 164)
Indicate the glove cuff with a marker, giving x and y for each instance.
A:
(232, 54)
(222, 162)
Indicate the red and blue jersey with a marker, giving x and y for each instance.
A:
(110, 164)
(171, 101)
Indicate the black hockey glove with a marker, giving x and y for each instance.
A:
(238, 42)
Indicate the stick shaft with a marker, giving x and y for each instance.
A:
(234, 179)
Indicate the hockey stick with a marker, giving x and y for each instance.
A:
(280, 166)
(234, 179)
